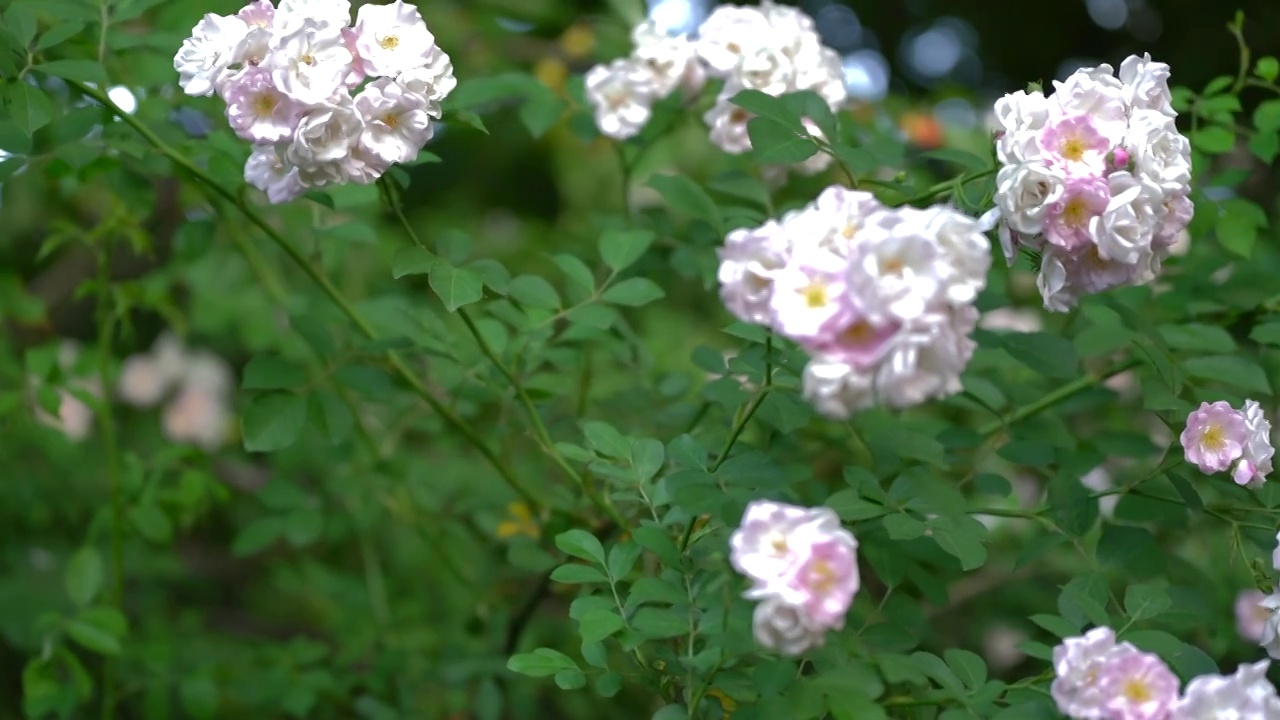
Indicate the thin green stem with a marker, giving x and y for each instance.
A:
(1242, 75)
(459, 425)
(945, 188)
(109, 441)
(1056, 396)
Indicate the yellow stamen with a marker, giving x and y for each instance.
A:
(390, 42)
(1213, 438)
(815, 295)
(1072, 148)
(1137, 691)
(1076, 213)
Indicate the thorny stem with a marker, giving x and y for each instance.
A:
(458, 424)
(107, 421)
(946, 187)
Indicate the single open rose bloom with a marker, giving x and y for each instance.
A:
(1244, 695)
(1077, 667)
(1137, 685)
(1214, 437)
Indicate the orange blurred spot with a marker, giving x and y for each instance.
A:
(922, 130)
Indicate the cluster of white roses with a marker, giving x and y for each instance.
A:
(771, 48)
(291, 77)
(803, 568)
(197, 383)
(882, 298)
(1096, 177)
(1096, 678)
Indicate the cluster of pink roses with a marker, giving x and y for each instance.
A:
(1096, 678)
(291, 77)
(1096, 178)
(803, 567)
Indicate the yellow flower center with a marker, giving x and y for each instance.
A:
(1213, 438)
(858, 333)
(1076, 213)
(1137, 691)
(815, 295)
(893, 266)
(390, 42)
(264, 104)
(391, 120)
(779, 543)
(849, 230)
(307, 59)
(1072, 148)
(823, 576)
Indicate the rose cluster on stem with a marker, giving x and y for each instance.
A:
(1097, 678)
(1095, 178)
(772, 48)
(803, 567)
(197, 384)
(881, 298)
(323, 101)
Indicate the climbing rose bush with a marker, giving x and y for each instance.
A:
(682, 387)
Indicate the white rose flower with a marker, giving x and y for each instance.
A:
(728, 33)
(1271, 630)
(784, 628)
(728, 123)
(968, 253)
(334, 14)
(622, 97)
(269, 172)
(766, 69)
(434, 80)
(203, 62)
(1096, 93)
(1025, 192)
(391, 39)
(821, 69)
(1020, 117)
(1056, 290)
(1123, 232)
(396, 122)
(895, 267)
(672, 60)
(926, 362)
(1160, 153)
(310, 63)
(199, 416)
(1147, 84)
(749, 260)
(325, 138)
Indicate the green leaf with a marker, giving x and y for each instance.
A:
(967, 666)
(902, 526)
(199, 694)
(768, 106)
(620, 249)
(258, 535)
(1143, 602)
(961, 537)
(21, 21)
(1050, 355)
(608, 684)
(1072, 506)
(273, 421)
(604, 439)
(78, 70)
(622, 559)
(29, 107)
(581, 544)
(454, 286)
(597, 625)
(671, 712)
(1267, 68)
(963, 158)
(271, 372)
(1061, 627)
(576, 271)
(84, 576)
(466, 118)
(647, 456)
(151, 522)
(571, 679)
(1266, 117)
(633, 292)
(540, 663)
(533, 291)
(1237, 225)
(1083, 598)
(1195, 336)
(773, 143)
(333, 415)
(1231, 370)
(92, 638)
(1266, 333)
(58, 34)
(1214, 140)
(656, 623)
(686, 196)
(412, 261)
(578, 574)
